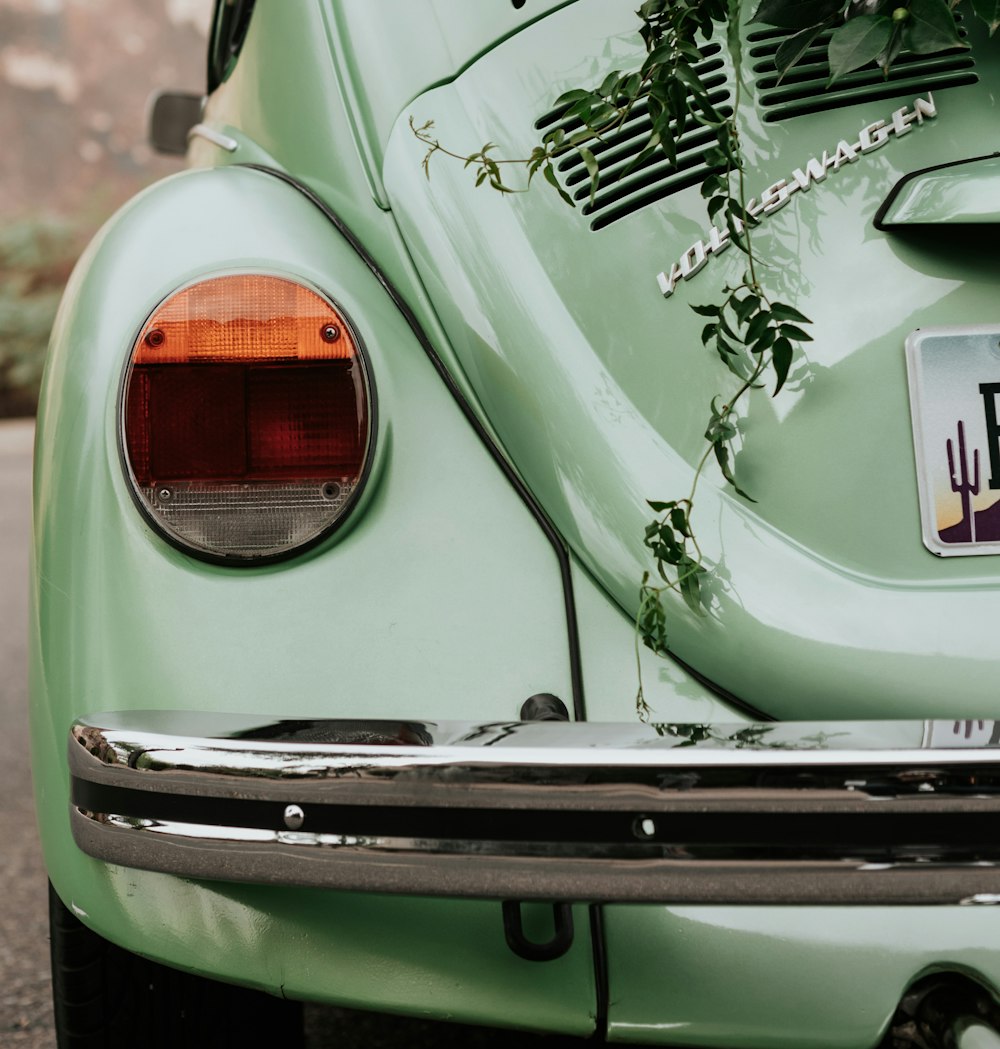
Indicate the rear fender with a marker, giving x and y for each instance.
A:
(439, 597)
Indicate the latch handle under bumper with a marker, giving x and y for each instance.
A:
(849, 812)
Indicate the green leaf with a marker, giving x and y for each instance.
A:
(668, 552)
(720, 426)
(797, 14)
(631, 85)
(660, 507)
(678, 100)
(652, 624)
(858, 42)
(724, 348)
(689, 50)
(782, 312)
(724, 325)
(792, 49)
(892, 50)
(726, 429)
(679, 521)
(781, 358)
(722, 458)
(708, 333)
(713, 184)
(601, 115)
(550, 176)
(734, 39)
(690, 583)
(744, 307)
(764, 341)
(590, 163)
(989, 12)
(662, 55)
(571, 96)
(688, 76)
(930, 27)
(609, 86)
(709, 310)
(710, 116)
(757, 326)
(662, 129)
(715, 205)
(648, 150)
(791, 331)
(715, 157)
(582, 109)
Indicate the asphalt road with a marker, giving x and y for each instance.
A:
(25, 1011)
(25, 992)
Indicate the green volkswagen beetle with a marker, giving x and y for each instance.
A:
(342, 516)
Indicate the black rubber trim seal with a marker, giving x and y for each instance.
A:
(723, 693)
(879, 220)
(601, 978)
(875, 835)
(555, 540)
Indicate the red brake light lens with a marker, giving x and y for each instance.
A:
(246, 417)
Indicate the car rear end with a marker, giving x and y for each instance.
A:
(308, 767)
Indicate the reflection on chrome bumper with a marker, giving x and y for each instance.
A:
(851, 812)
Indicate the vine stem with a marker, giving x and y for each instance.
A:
(641, 705)
(762, 366)
(741, 177)
(765, 334)
(547, 156)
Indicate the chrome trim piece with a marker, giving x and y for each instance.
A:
(862, 812)
(217, 138)
(777, 195)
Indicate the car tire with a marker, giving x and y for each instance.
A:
(103, 995)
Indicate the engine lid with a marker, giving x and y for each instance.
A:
(823, 599)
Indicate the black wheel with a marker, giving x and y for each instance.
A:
(103, 996)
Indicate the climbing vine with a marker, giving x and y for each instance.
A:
(755, 336)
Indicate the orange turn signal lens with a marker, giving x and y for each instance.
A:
(246, 417)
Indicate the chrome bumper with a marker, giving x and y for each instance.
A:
(849, 813)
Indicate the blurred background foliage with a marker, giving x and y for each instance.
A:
(75, 76)
(36, 256)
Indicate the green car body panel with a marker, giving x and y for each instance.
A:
(440, 597)
(874, 627)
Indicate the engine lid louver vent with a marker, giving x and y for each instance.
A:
(803, 88)
(623, 189)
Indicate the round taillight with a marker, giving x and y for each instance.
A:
(246, 417)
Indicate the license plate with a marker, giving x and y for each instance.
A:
(954, 376)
